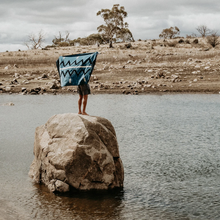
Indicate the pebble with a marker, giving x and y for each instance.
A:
(148, 86)
(16, 75)
(174, 76)
(8, 88)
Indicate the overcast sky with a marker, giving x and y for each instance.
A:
(146, 18)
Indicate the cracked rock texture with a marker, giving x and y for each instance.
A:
(77, 151)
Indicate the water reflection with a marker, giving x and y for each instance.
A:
(81, 205)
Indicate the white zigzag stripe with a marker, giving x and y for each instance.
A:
(74, 67)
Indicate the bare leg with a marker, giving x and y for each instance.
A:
(80, 104)
(85, 98)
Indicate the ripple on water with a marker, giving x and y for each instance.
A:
(169, 146)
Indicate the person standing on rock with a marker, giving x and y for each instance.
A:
(76, 70)
(83, 90)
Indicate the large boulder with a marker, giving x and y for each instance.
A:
(77, 152)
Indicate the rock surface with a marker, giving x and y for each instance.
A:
(77, 152)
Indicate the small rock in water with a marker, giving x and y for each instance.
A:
(8, 104)
(61, 186)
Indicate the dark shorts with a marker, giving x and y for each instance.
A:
(84, 89)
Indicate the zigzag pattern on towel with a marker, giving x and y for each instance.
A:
(76, 63)
(71, 72)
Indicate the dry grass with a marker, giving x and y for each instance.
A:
(124, 64)
(200, 55)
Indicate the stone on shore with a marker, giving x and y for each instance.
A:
(77, 152)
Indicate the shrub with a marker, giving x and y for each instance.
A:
(128, 45)
(181, 41)
(213, 39)
(153, 45)
(63, 44)
(196, 41)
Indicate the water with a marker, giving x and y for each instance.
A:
(169, 146)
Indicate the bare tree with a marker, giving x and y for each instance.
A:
(203, 30)
(213, 39)
(67, 36)
(59, 39)
(194, 35)
(35, 41)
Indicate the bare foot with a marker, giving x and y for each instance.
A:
(79, 113)
(84, 113)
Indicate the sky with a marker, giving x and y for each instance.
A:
(146, 18)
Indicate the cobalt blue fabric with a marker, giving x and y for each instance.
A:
(74, 69)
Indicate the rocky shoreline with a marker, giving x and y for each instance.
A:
(158, 83)
(142, 69)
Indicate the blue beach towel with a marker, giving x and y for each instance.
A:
(75, 68)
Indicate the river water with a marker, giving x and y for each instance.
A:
(169, 146)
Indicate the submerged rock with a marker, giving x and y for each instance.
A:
(77, 151)
(8, 104)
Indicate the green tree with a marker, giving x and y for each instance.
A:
(125, 35)
(94, 39)
(114, 24)
(90, 40)
(75, 41)
(169, 32)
